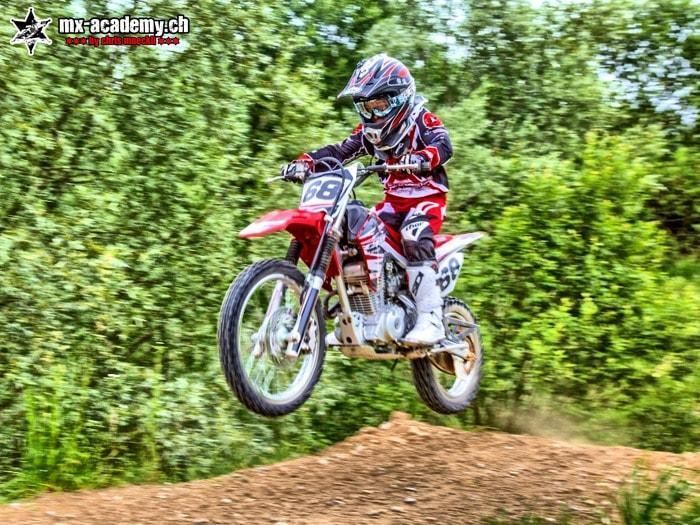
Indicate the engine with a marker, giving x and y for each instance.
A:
(359, 293)
(384, 317)
(382, 313)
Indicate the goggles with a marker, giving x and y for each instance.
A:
(379, 107)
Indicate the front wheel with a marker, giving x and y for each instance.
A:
(256, 318)
(447, 383)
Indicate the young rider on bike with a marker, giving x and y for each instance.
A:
(396, 128)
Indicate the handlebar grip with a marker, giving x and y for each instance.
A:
(395, 167)
(409, 167)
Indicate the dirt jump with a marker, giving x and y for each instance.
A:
(404, 472)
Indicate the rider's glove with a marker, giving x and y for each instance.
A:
(296, 170)
(420, 160)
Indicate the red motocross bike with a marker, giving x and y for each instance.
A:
(272, 324)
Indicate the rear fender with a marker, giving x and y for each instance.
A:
(450, 258)
(456, 243)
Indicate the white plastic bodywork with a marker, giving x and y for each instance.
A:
(448, 272)
(457, 243)
(450, 259)
(398, 257)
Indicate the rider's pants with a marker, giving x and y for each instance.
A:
(417, 220)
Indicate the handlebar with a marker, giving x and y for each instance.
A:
(381, 168)
(375, 168)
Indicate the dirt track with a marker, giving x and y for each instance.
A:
(402, 472)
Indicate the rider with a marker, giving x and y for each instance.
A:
(396, 128)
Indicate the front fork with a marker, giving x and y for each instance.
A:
(312, 289)
(277, 297)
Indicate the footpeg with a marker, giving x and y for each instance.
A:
(456, 349)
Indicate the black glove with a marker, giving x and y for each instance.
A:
(295, 171)
(413, 158)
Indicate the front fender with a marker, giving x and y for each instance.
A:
(304, 225)
(297, 222)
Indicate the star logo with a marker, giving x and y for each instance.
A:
(30, 31)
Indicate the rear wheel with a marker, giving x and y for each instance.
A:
(256, 318)
(447, 383)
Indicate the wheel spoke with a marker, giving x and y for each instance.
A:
(250, 363)
(267, 379)
(459, 324)
(260, 371)
(267, 315)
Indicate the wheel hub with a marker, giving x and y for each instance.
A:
(274, 335)
(446, 362)
(276, 332)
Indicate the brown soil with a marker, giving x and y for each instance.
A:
(403, 472)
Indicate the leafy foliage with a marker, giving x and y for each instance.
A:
(126, 173)
(669, 500)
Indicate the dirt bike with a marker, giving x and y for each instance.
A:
(272, 324)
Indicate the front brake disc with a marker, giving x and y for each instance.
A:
(276, 333)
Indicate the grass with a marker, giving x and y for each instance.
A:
(669, 500)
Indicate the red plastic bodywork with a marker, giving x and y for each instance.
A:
(306, 226)
(442, 238)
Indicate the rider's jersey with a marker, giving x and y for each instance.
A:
(427, 138)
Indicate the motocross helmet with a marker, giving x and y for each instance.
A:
(384, 94)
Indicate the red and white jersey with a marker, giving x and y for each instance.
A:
(428, 138)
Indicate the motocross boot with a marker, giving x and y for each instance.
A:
(422, 281)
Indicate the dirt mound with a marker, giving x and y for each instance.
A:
(402, 472)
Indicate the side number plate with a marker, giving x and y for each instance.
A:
(448, 272)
